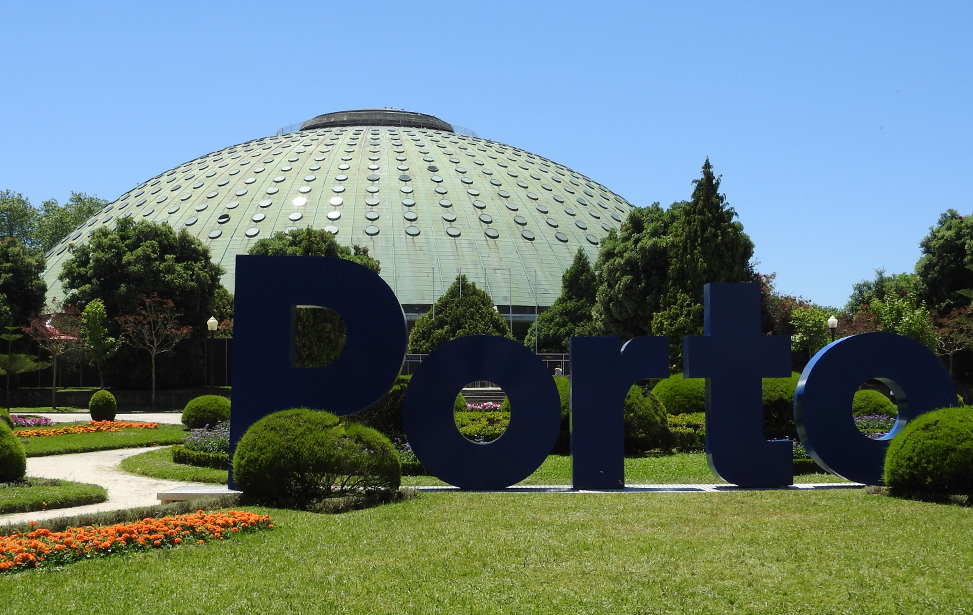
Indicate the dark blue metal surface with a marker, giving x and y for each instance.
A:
(268, 289)
(535, 412)
(822, 403)
(603, 373)
(733, 357)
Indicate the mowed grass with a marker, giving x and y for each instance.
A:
(159, 464)
(834, 551)
(39, 446)
(47, 494)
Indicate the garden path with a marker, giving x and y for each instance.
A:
(100, 468)
(169, 418)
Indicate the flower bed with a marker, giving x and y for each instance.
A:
(31, 421)
(89, 427)
(44, 548)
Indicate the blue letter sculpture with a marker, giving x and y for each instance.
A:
(265, 380)
(600, 379)
(822, 403)
(733, 357)
(535, 412)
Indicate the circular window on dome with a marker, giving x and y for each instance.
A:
(279, 178)
(371, 201)
(427, 158)
(336, 200)
(173, 209)
(581, 225)
(504, 194)
(496, 182)
(552, 222)
(164, 197)
(473, 192)
(591, 239)
(569, 211)
(412, 231)
(582, 201)
(371, 230)
(343, 167)
(436, 179)
(340, 177)
(408, 202)
(486, 219)
(310, 178)
(452, 231)
(265, 203)
(233, 204)
(338, 189)
(522, 221)
(223, 219)
(334, 215)
(191, 221)
(146, 213)
(252, 231)
(542, 208)
(511, 206)
(446, 203)
(561, 237)
(527, 235)
(299, 201)
(213, 194)
(314, 167)
(487, 172)
(403, 167)
(441, 190)
(532, 196)
(492, 233)
(594, 214)
(479, 204)
(606, 226)
(410, 216)
(332, 229)
(249, 180)
(373, 167)
(371, 189)
(258, 217)
(286, 167)
(371, 215)
(616, 217)
(432, 169)
(373, 178)
(294, 217)
(449, 217)
(406, 189)
(401, 158)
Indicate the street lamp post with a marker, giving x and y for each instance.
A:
(833, 325)
(211, 326)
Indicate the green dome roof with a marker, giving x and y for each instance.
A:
(426, 201)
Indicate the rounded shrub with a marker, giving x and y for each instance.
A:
(682, 395)
(295, 458)
(933, 455)
(13, 459)
(777, 398)
(102, 406)
(6, 418)
(870, 403)
(206, 410)
(646, 422)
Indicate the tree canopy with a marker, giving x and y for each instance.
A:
(56, 221)
(571, 310)
(18, 218)
(463, 310)
(944, 267)
(22, 290)
(141, 258)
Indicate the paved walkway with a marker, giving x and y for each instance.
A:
(101, 468)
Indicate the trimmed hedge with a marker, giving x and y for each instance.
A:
(13, 459)
(102, 406)
(646, 424)
(206, 410)
(682, 395)
(688, 431)
(296, 458)
(6, 418)
(870, 402)
(933, 455)
(217, 461)
(482, 426)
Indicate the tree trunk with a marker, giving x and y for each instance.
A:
(153, 382)
(53, 381)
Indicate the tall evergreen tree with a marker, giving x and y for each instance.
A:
(22, 288)
(463, 310)
(570, 311)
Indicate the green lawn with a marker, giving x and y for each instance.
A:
(39, 446)
(743, 552)
(159, 464)
(47, 494)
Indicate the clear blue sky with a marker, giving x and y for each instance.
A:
(842, 130)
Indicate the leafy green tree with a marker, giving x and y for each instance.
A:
(18, 218)
(56, 330)
(22, 289)
(705, 245)
(632, 272)
(320, 332)
(98, 343)
(944, 267)
(810, 326)
(463, 310)
(56, 221)
(142, 258)
(868, 291)
(570, 311)
(902, 316)
(223, 312)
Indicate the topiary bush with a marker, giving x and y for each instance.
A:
(6, 418)
(682, 395)
(688, 431)
(482, 426)
(646, 423)
(778, 406)
(872, 403)
(102, 406)
(933, 455)
(206, 410)
(296, 458)
(13, 459)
